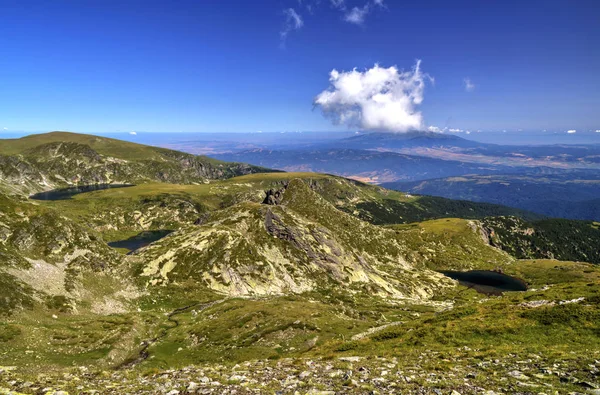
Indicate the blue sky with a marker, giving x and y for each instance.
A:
(223, 66)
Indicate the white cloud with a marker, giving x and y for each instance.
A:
(338, 4)
(455, 130)
(357, 15)
(293, 21)
(469, 85)
(293, 17)
(598, 131)
(572, 131)
(133, 133)
(379, 98)
(434, 129)
(5, 128)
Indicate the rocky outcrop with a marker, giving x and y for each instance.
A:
(274, 197)
(301, 244)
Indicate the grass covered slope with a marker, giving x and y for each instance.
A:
(102, 145)
(562, 239)
(297, 295)
(452, 244)
(422, 208)
(47, 161)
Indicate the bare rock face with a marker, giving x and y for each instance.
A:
(274, 196)
(277, 228)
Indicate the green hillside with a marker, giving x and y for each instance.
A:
(562, 239)
(59, 159)
(270, 282)
(102, 145)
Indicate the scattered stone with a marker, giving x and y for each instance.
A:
(237, 377)
(537, 303)
(518, 375)
(350, 359)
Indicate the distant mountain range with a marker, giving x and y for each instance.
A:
(404, 140)
(574, 194)
(552, 180)
(369, 166)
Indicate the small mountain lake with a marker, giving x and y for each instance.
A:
(487, 281)
(140, 240)
(67, 193)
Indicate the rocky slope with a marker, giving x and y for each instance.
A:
(48, 161)
(46, 257)
(299, 244)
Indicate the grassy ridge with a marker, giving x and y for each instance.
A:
(103, 145)
(49, 161)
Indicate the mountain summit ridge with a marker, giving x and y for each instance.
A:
(59, 159)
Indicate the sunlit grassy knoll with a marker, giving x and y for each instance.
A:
(102, 145)
(450, 244)
(498, 327)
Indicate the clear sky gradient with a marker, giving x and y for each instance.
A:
(223, 66)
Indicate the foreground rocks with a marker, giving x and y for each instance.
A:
(427, 373)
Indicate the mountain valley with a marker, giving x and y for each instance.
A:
(249, 280)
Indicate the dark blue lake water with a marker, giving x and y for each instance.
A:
(487, 281)
(140, 240)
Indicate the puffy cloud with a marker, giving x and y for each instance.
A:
(357, 15)
(598, 131)
(293, 21)
(469, 85)
(379, 98)
(133, 133)
(435, 129)
(5, 128)
(572, 131)
(455, 130)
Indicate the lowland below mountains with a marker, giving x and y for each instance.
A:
(195, 275)
(560, 180)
